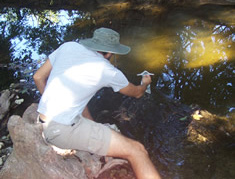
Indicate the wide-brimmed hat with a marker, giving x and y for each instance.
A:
(106, 40)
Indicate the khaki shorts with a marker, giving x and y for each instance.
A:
(85, 135)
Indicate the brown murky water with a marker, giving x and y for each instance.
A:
(192, 54)
(191, 51)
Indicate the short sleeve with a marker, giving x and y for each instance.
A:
(52, 56)
(118, 81)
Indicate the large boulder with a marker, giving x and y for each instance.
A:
(33, 158)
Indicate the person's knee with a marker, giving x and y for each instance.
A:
(138, 149)
(129, 147)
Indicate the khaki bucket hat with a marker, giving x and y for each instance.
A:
(105, 40)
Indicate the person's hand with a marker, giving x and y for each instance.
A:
(146, 79)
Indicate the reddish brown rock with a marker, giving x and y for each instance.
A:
(33, 158)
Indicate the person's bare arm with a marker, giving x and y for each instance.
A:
(86, 113)
(41, 75)
(137, 91)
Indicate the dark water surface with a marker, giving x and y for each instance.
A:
(191, 52)
(192, 55)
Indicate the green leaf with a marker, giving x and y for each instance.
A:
(183, 118)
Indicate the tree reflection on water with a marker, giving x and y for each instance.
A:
(191, 53)
(200, 69)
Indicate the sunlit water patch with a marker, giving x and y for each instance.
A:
(192, 57)
(189, 52)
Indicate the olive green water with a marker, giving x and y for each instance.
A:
(191, 52)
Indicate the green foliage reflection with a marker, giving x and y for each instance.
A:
(191, 54)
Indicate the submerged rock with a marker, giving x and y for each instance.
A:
(182, 141)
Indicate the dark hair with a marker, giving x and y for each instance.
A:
(104, 53)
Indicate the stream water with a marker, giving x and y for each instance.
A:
(191, 52)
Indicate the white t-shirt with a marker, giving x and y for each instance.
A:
(77, 74)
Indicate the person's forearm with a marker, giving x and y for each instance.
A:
(133, 90)
(86, 113)
(41, 76)
(141, 90)
(40, 85)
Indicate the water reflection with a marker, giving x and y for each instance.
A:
(209, 47)
(194, 59)
(152, 52)
(191, 53)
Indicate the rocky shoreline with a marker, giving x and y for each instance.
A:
(24, 145)
(8, 100)
(178, 138)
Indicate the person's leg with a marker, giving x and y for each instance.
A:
(135, 152)
(93, 137)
